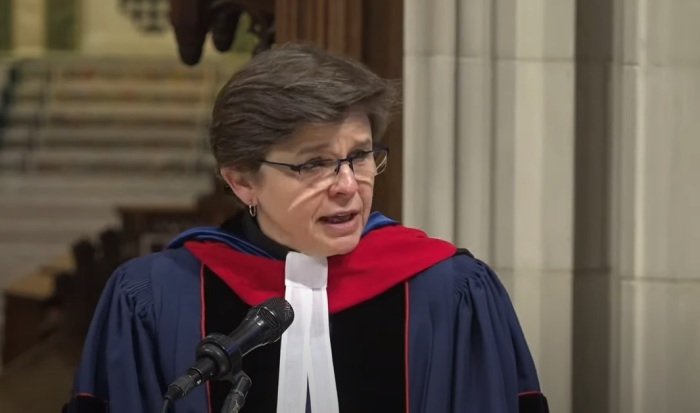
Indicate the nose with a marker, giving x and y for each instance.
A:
(345, 182)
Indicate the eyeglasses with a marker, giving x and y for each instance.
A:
(364, 164)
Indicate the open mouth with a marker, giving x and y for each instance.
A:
(339, 218)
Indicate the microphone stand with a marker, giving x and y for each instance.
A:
(212, 346)
(240, 384)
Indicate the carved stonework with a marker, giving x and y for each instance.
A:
(193, 20)
(149, 16)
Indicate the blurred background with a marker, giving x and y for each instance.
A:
(555, 139)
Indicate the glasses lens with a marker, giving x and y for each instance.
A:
(318, 170)
(366, 166)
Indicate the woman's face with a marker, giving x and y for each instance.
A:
(316, 214)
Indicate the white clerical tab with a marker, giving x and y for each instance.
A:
(307, 271)
(306, 358)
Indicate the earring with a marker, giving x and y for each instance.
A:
(252, 210)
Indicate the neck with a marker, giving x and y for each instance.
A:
(255, 235)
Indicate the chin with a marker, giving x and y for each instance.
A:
(341, 246)
(338, 238)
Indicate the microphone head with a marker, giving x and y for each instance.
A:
(273, 315)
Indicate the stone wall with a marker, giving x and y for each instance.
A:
(557, 139)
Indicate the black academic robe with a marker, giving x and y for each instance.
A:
(444, 339)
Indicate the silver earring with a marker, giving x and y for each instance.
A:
(252, 210)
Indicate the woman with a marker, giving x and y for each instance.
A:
(393, 321)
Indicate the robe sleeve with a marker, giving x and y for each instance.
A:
(118, 369)
(492, 358)
(467, 351)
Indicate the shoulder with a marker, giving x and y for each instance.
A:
(149, 277)
(458, 265)
(461, 273)
(153, 267)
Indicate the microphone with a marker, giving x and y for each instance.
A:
(219, 356)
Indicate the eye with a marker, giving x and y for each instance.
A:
(359, 155)
(316, 163)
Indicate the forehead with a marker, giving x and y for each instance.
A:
(351, 131)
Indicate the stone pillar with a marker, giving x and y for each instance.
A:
(656, 205)
(594, 295)
(488, 153)
(28, 27)
(533, 178)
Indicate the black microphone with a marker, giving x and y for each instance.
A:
(219, 355)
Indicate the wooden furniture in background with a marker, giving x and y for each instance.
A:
(26, 301)
(147, 228)
(60, 297)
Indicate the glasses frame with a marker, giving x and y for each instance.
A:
(338, 161)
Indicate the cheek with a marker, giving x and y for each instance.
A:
(276, 198)
(305, 202)
(367, 193)
(292, 206)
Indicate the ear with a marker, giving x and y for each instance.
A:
(241, 184)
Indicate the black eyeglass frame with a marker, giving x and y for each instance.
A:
(338, 162)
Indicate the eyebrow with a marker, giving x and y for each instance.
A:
(310, 149)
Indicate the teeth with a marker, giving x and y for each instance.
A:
(339, 218)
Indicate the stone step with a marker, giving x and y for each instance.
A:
(126, 90)
(146, 138)
(173, 163)
(12, 160)
(19, 210)
(91, 69)
(115, 109)
(109, 114)
(129, 161)
(50, 230)
(97, 200)
(55, 185)
(13, 137)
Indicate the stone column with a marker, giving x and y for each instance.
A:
(28, 28)
(594, 295)
(656, 205)
(488, 153)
